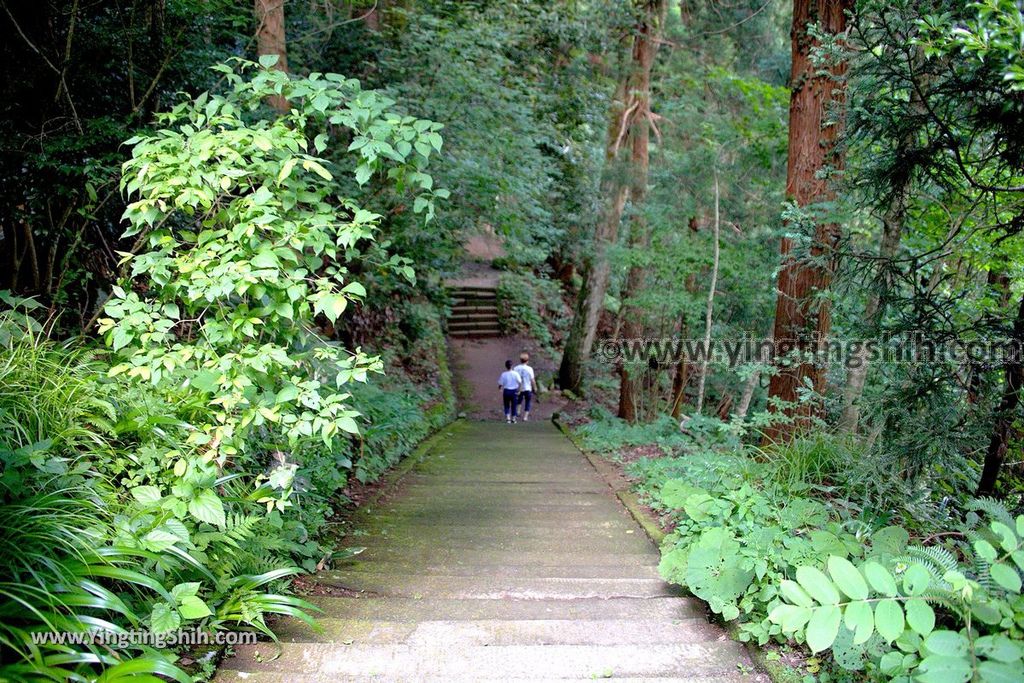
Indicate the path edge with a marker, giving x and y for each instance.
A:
(614, 478)
(424, 450)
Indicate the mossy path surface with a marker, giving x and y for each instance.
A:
(501, 555)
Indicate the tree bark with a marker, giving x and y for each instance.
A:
(645, 46)
(596, 271)
(999, 441)
(802, 321)
(708, 316)
(270, 40)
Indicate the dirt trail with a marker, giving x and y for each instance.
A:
(477, 363)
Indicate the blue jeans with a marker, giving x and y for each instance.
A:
(508, 399)
(524, 398)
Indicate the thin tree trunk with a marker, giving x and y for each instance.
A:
(270, 40)
(596, 270)
(892, 232)
(802, 321)
(748, 394)
(644, 48)
(708, 315)
(681, 377)
(999, 441)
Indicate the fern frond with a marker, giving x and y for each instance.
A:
(936, 559)
(993, 508)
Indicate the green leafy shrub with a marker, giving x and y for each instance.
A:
(922, 616)
(180, 487)
(531, 305)
(794, 542)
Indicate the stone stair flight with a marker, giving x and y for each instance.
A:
(474, 312)
(499, 557)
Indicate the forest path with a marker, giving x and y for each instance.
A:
(501, 555)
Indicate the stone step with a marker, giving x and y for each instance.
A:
(489, 588)
(440, 555)
(472, 325)
(481, 298)
(446, 660)
(581, 518)
(472, 292)
(474, 334)
(497, 571)
(481, 306)
(399, 533)
(500, 632)
(419, 484)
(429, 609)
(469, 545)
(460, 315)
(505, 499)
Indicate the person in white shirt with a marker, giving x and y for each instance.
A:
(529, 382)
(509, 383)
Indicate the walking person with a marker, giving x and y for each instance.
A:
(510, 382)
(528, 385)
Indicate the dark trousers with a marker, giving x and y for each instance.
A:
(508, 398)
(525, 397)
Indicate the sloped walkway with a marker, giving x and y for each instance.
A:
(502, 555)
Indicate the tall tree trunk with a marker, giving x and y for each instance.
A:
(999, 441)
(270, 40)
(802, 320)
(645, 46)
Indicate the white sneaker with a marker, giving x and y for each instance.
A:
(526, 418)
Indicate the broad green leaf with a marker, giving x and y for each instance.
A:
(889, 619)
(999, 648)
(880, 578)
(817, 585)
(823, 627)
(985, 550)
(164, 618)
(943, 669)
(847, 578)
(790, 617)
(159, 540)
(206, 507)
(192, 607)
(332, 306)
(916, 580)
(311, 165)
(859, 618)
(1007, 539)
(948, 643)
(1000, 672)
(920, 616)
(286, 170)
(147, 495)
(792, 591)
(349, 425)
(1006, 576)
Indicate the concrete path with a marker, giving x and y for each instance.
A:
(502, 555)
